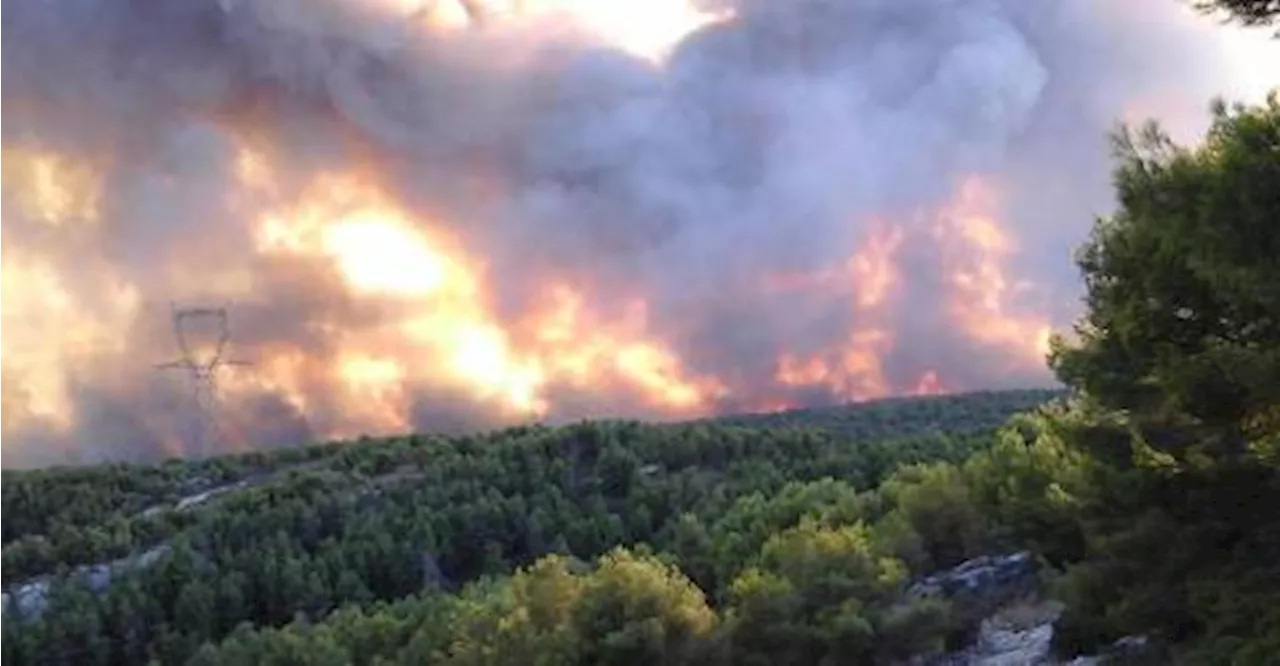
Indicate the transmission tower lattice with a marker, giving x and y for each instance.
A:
(203, 373)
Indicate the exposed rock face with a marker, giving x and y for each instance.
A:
(1015, 631)
(1013, 647)
(1020, 638)
(30, 599)
(996, 578)
(192, 501)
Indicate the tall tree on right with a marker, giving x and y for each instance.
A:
(1182, 329)
(1246, 12)
(1178, 361)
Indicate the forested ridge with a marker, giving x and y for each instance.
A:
(267, 536)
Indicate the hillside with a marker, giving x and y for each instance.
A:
(899, 417)
(183, 552)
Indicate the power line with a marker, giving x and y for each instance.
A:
(203, 374)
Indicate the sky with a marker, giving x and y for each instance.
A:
(445, 216)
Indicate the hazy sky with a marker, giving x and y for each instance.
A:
(622, 210)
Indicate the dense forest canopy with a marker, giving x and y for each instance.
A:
(1177, 360)
(1183, 288)
(194, 549)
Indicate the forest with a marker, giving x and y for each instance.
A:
(293, 536)
(1147, 493)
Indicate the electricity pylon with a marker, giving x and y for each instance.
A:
(203, 373)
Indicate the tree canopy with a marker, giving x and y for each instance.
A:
(1183, 321)
(1246, 12)
(1178, 363)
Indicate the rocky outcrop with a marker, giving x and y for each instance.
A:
(192, 501)
(994, 578)
(30, 599)
(1018, 635)
(1013, 647)
(1017, 627)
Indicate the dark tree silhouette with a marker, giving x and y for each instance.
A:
(1244, 12)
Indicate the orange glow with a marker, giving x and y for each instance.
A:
(283, 373)
(47, 332)
(380, 251)
(351, 215)
(448, 328)
(981, 304)
(852, 370)
(577, 346)
(873, 268)
(251, 169)
(983, 294)
(929, 384)
(50, 188)
(432, 320)
(871, 272)
(373, 390)
(381, 256)
(438, 326)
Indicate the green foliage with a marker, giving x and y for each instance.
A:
(744, 528)
(902, 417)
(289, 538)
(1030, 485)
(934, 521)
(1178, 359)
(1184, 288)
(827, 595)
(640, 611)
(630, 610)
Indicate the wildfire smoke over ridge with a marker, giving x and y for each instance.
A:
(448, 215)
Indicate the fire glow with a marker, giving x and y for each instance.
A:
(546, 248)
(448, 324)
(444, 326)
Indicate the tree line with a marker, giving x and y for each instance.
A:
(312, 530)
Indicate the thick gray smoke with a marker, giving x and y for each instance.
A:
(765, 144)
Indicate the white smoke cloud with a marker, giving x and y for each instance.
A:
(763, 144)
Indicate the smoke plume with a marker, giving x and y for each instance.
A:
(446, 217)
